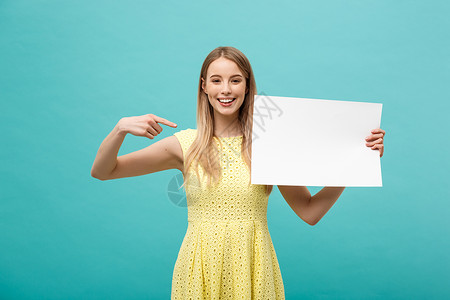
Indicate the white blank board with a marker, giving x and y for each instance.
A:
(314, 142)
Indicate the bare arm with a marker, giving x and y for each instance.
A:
(298, 198)
(161, 155)
(310, 208)
(106, 158)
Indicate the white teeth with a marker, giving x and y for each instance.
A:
(225, 100)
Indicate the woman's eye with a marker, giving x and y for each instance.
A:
(217, 80)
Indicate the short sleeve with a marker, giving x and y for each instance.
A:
(186, 137)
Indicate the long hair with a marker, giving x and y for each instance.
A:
(203, 150)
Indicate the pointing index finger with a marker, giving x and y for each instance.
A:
(165, 122)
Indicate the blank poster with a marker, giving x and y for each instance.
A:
(314, 142)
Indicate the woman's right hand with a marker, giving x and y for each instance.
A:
(145, 125)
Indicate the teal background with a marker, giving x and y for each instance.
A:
(69, 70)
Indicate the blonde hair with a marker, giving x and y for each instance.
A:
(203, 150)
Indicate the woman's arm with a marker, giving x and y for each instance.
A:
(161, 155)
(310, 209)
(106, 158)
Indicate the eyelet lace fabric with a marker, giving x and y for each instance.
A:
(227, 252)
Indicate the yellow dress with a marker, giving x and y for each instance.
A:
(227, 252)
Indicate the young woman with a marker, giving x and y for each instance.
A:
(227, 252)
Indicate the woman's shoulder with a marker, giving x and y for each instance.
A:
(186, 137)
(186, 133)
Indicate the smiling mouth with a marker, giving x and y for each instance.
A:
(226, 100)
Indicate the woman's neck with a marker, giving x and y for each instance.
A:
(226, 126)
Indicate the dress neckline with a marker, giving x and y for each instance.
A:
(229, 137)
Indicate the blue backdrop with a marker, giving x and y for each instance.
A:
(69, 70)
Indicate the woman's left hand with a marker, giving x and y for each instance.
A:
(375, 140)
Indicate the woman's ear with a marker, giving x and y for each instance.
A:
(203, 85)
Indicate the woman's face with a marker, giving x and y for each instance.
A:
(224, 81)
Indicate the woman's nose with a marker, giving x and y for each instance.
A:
(226, 88)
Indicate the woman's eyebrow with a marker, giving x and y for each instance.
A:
(221, 76)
